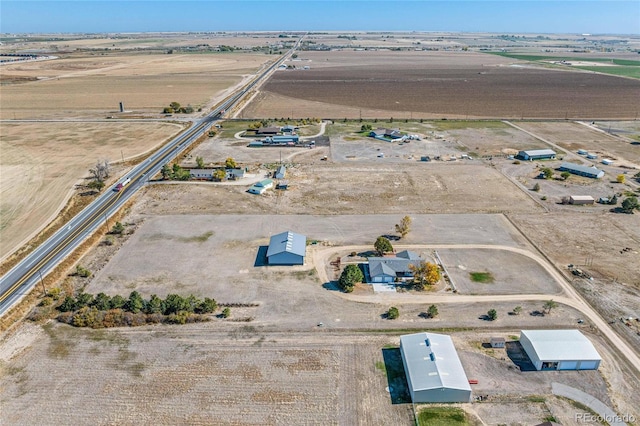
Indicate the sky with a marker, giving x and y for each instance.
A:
(506, 16)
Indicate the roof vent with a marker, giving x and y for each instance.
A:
(427, 342)
(432, 356)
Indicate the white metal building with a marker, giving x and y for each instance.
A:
(559, 350)
(434, 371)
(287, 248)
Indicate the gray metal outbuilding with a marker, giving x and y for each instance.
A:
(287, 248)
(537, 154)
(559, 350)
(434, 371)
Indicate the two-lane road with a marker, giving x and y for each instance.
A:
(25, 275)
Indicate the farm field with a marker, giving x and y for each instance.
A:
(41, 164)
(449, 84)
(93, 86)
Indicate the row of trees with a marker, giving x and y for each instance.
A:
(394, 313)
(135, 304)
(175, 107)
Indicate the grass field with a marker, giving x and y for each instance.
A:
(481, 277)
(442, 416)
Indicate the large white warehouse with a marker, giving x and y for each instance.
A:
(559, 350)
(433, 369)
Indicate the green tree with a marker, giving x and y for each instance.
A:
(154, 305)
(349, 277)
(174, 303)
(492, 314)
(96, 184)
(117, 302)
(404, 226)
(84, 299)
(207, 306)
(54, 293)
(68, 304)
(517, 310)
(118, 228)
(382, 246)
(547, 172)
(630, 204)
(102, 302)
(230, 163)
(226, 313)
(536, 187)
(366, 128)
(135, 303)
(82, 271)
(219, 175)
(175, 106)
(166, 172)
(432, 312)
(200, 162)
(549, 305)
(565, 175)
(393, 313)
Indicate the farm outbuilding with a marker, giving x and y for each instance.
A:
(497, 342)
(434, 371)
(287, 248)
(281, 173)
(559, 350)
(581, 199)
(537, 154)
(580, 170)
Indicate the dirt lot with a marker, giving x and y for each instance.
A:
(447, 84)
(94, 85)
(573, 136)
(41, 163)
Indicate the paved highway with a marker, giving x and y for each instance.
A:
(25, 275)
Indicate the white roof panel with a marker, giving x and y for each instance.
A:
(432, 362)
(561, 345)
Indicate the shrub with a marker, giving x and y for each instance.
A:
(393, 313)
(226, 313)
(349, 277)
(492, 314)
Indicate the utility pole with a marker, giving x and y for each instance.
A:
(44, 290)
(122, 154)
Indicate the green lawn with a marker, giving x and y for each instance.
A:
(442, 416)
(481, 277)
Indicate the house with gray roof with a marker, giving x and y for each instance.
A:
(287, 248)
(385, 134)
(433, 369)
(580, 170)
(387, 269)
(281, 173)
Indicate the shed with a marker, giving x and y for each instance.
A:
(537, 154)
(434, 371)
(582, 151)
(281, 173)
(581, 199)
(591, 156)
(265, 183)
(607, 162)
(283, 185)
(577, 169)
(559, 350)
(258, 190)
(235, 173)
(268, 131)
(287, 248)
(497, 342)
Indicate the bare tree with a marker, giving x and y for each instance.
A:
(101, 171)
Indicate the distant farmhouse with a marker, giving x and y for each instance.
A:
(206, 174)
(388, 269)
(434, 371)
(580, 170)
(537, 154)
(268, 131)
(261, 187)
(386, 134)
(287, 248)
(559, 350)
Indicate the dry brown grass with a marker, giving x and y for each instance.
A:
(42, 162)
(93, 85)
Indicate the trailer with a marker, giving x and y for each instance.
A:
(121, 185)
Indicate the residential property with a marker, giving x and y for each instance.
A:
(559, 350)
(580, 170)
(234, 174)
(282, 185)
(537, 154)
(581, 199)
(289, 129)
(497, 342)
(388, 269)
(385, 134)
(434, 371)
(203, 174)
(261, 187)
(287, 248)
(281, 173)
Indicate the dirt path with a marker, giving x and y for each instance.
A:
(572, 298)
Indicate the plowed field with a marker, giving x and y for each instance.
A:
(449, 84)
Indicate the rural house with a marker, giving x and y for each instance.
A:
(388, 269)
(268, 131)
(287, 248)
(433, 369)
(201, 174)
(580, 170)
(385, 134)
